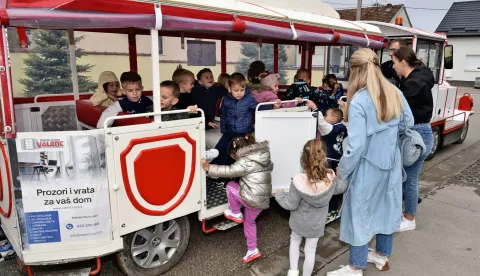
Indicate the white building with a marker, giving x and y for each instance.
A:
(462, 27)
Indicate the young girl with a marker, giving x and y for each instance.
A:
(236, 118)
(223, 80)
(254, 167)
(308, 198)
(268, 90)
(108, 90)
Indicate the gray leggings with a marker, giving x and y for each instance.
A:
(310, 249)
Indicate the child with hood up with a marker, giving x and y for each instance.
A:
(108, 90)
(267, 92)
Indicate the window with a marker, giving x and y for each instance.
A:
(339, 61)
(430, 52)
(472, 63)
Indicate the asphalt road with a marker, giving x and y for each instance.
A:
(220, 253)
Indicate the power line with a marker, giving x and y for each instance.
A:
(369, 6)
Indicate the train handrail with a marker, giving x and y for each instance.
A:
(129, 116)
(272, 103)
(58, 95)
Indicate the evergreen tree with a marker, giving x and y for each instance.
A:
(250, 53)
(48, 66)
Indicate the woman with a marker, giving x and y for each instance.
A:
(108, 90)
(376, 113)
(417, 89)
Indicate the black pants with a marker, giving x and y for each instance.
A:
(222, 146)
(336, 200)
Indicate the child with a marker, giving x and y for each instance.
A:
(254, 167)
(205, 95)
(333, 133)
(307, 202)
(324, 98)
(330, 83)
(268, 91)
(108, 90)
(169, 92)
(133, 103)
(236, 118)
(223, 79)
(186, 81)
(301, 87)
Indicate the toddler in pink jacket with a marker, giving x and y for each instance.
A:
(267, 92)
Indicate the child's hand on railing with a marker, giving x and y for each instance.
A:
(205, 164)
(278, 104)
(192, 109)
(299, 100)
(311, 104)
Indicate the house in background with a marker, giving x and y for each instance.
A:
(461, 24)
(381, 13)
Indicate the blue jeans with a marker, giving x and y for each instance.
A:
(410, 187)
(359, 254)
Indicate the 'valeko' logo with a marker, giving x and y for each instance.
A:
(31, 144)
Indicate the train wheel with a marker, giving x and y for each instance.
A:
(154, 250)
(463, 136)
(437, 142)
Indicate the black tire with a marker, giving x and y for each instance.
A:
(463, 136)
(129, 264)
(437, 142)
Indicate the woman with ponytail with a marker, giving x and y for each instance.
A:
(377, 113)
(416, 86)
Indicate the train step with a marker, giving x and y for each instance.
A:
(224, 225)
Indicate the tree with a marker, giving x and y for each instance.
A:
(48, 67)
(250, 53)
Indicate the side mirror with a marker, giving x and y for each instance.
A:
(448, 57)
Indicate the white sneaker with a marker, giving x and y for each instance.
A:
(293, 272)
(238, 218)
(345, 271)
(407, 225)
(381, 262)
(211, 154)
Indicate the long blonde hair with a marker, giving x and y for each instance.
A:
(365, 72)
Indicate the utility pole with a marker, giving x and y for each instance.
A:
(359, 10)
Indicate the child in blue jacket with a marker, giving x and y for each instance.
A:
(236, 119)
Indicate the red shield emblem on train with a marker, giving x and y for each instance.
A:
(158, 171)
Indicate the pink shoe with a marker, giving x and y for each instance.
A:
(238, 218)
(252, 255)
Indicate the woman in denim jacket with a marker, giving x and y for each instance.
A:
(416, 86)
(377, 114)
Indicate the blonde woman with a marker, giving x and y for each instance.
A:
(377, 112)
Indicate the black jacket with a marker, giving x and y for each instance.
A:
(417, 89)
(389, 73)
(206, 99)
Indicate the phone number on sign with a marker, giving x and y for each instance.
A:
(86, 225)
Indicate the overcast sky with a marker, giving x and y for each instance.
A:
(424, 14)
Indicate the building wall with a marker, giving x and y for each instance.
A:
(463, 47)
(120, 63)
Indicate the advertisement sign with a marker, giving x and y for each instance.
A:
(64, 187)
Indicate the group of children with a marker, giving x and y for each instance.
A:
(238, 155)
